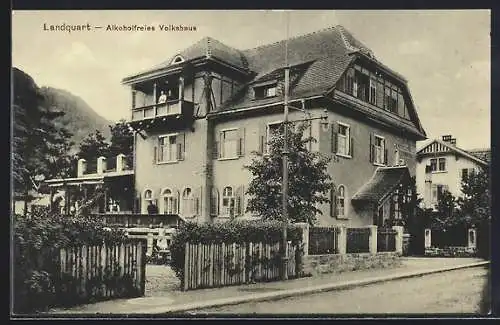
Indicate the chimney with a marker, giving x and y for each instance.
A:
(449, 139)
(81, 167)
(101, 165)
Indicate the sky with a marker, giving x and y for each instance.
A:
(444, 55)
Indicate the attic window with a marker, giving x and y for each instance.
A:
(265, 91)
(178, 59)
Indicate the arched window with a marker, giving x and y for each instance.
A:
(147, 197)
(188, 208)
(169, 201)
(228, 201)
(341, 196)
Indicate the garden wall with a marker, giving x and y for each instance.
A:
(336, 263)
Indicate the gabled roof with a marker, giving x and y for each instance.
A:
(383, 182)
(446, 147)
(482, 153)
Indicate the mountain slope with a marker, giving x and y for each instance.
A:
(80, 119)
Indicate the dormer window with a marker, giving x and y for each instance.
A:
(265, 91)
(177, 59)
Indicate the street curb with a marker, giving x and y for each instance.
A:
(300, 291)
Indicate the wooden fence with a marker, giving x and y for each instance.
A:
(221, 264)
(83, 274)
(105, 272)
(323, 240)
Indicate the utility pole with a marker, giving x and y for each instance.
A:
(284, 251)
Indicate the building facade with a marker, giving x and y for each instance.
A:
(199, 116)
(441, 166)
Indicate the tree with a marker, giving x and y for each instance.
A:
(475, 205)
(93, 146)
(37, 140)
(122, 141)
(409, 201)
(446, 215)
(309, 182)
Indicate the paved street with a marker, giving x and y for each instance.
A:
(456, 291)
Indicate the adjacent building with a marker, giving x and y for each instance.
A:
(442, 166)
(199, 115)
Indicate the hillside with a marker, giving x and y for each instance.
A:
(79, 118)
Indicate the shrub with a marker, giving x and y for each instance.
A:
(37, 238)
(234, 231)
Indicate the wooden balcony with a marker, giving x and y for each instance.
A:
(171, 109)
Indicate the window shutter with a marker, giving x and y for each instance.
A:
(155, 155)
(372, 148)
(181, 147)
(385, 156)
(334, 129)
(214, 202)
(215, 150)
(324, 139)
(333, 202)
(241, 142)
(177, 201)
(240, 195)
(351, 147)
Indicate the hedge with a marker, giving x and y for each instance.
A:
(37, 237)
(228, 232)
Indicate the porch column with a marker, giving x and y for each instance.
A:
(373, 239)
(428, 238)
(181, 89)
(101, 165)
(120, 162)
(82, 167)
(342, 240)
(472, 238)
(399, 239)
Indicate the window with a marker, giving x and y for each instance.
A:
(273, 130)
(167, 148)
(393, 101)
(437, 192)
(362, 86)
(340, 205)
(228, 201)
(467, 172)
(442, 164)
(373, 92)
(343, 140)
(148, 195)
(188, 205)
(379, 150)
(169, 202)
(265, 91)
(433, 165)
(229, 143)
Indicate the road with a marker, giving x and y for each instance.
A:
(458, 291)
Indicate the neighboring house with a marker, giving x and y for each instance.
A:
(442, 166)
(102, 186)
(223, 103)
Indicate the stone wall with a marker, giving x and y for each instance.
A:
(336, 263)
(451, 252)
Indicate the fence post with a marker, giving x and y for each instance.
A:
(305, 236)
(428, 238)
(399, 239)
(373, 239)
(471, 236)
(342, 240)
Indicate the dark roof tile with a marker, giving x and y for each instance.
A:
(383, 182)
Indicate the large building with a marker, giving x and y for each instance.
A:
(199, 115)
(442, 165)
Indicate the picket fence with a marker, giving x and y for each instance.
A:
(222, 264)
(105, 271)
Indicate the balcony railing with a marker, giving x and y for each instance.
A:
(131, 220)
(170, 108)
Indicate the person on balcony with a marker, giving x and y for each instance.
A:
(163, 98)
(152, 208)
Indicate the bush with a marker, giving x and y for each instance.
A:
(234, 231)
(38, 237)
